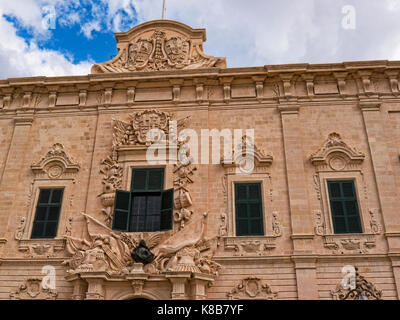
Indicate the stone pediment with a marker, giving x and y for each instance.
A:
(157, 46)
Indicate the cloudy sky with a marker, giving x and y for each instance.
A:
(57, 37)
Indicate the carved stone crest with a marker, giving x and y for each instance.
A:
(33, 289)
(168, 45)
(252, 288)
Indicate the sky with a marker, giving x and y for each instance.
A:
(58, 37)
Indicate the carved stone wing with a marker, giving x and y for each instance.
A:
(120, 132)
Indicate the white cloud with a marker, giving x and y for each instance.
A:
(248, 33)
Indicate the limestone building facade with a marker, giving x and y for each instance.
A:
(319, 198)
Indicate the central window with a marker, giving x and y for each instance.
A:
(248, 203)
(147, 207)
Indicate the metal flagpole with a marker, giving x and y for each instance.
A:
(163, 10)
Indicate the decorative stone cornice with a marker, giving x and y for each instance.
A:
(336, 154)
(56, 163)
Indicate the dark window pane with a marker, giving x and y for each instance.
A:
(351, 208)
(167, 199)
(348, 189)
(153, 223)
(334, 189)
(138, 205)
(255, 211)
(339, 224)
(139, 180)
(38, 228)
(56, 196)
(256, 227)
(166, 220)
(241, 210)
(167, 206)
(53, 213)
(137, 224)
(155, 180)
(242, 228)
(153, 205)
(41, 213)
(122, 200)
(51, 229)
(241, 192)
(354, 224)
(44, 195)
(120, 220)
(254, 191)
(337, 208)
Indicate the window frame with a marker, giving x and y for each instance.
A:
(361, 196)
(247, 201)
(48, 205)
(355, 198)
(133, 192)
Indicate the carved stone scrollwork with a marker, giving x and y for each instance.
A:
(276, 226)
(376, 228)
(19, 233)
(336, 155)
(250, 246)
(319, 223)
(183, 200)
(247, 158)
(56, 163)
(362, 289)
(340, 244)
(252, 288)
(33, 289)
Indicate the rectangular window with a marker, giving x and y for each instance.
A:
(248, 202)
(47, 213)
(344, 207)
(147, 208)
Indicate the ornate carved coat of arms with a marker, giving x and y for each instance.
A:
(172, 46)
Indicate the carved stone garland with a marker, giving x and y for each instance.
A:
(252, 288)
(361, 290)
(336, 156)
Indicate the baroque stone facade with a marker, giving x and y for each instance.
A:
(312, 124)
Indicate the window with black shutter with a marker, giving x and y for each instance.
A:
(248, 203)
(47, 214)
(344, 207)
(147, 207)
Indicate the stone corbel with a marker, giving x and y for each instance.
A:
(131, 92)
(226, 82)
(108, 93)
(259, 83)
(83, 91)
(366, 81)
(341, 80)
(199, 83)
(393, 76)
(27, 98)
(176, 89)
(287, 84)
(52, 95)
(309, 79)
(7, 97)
